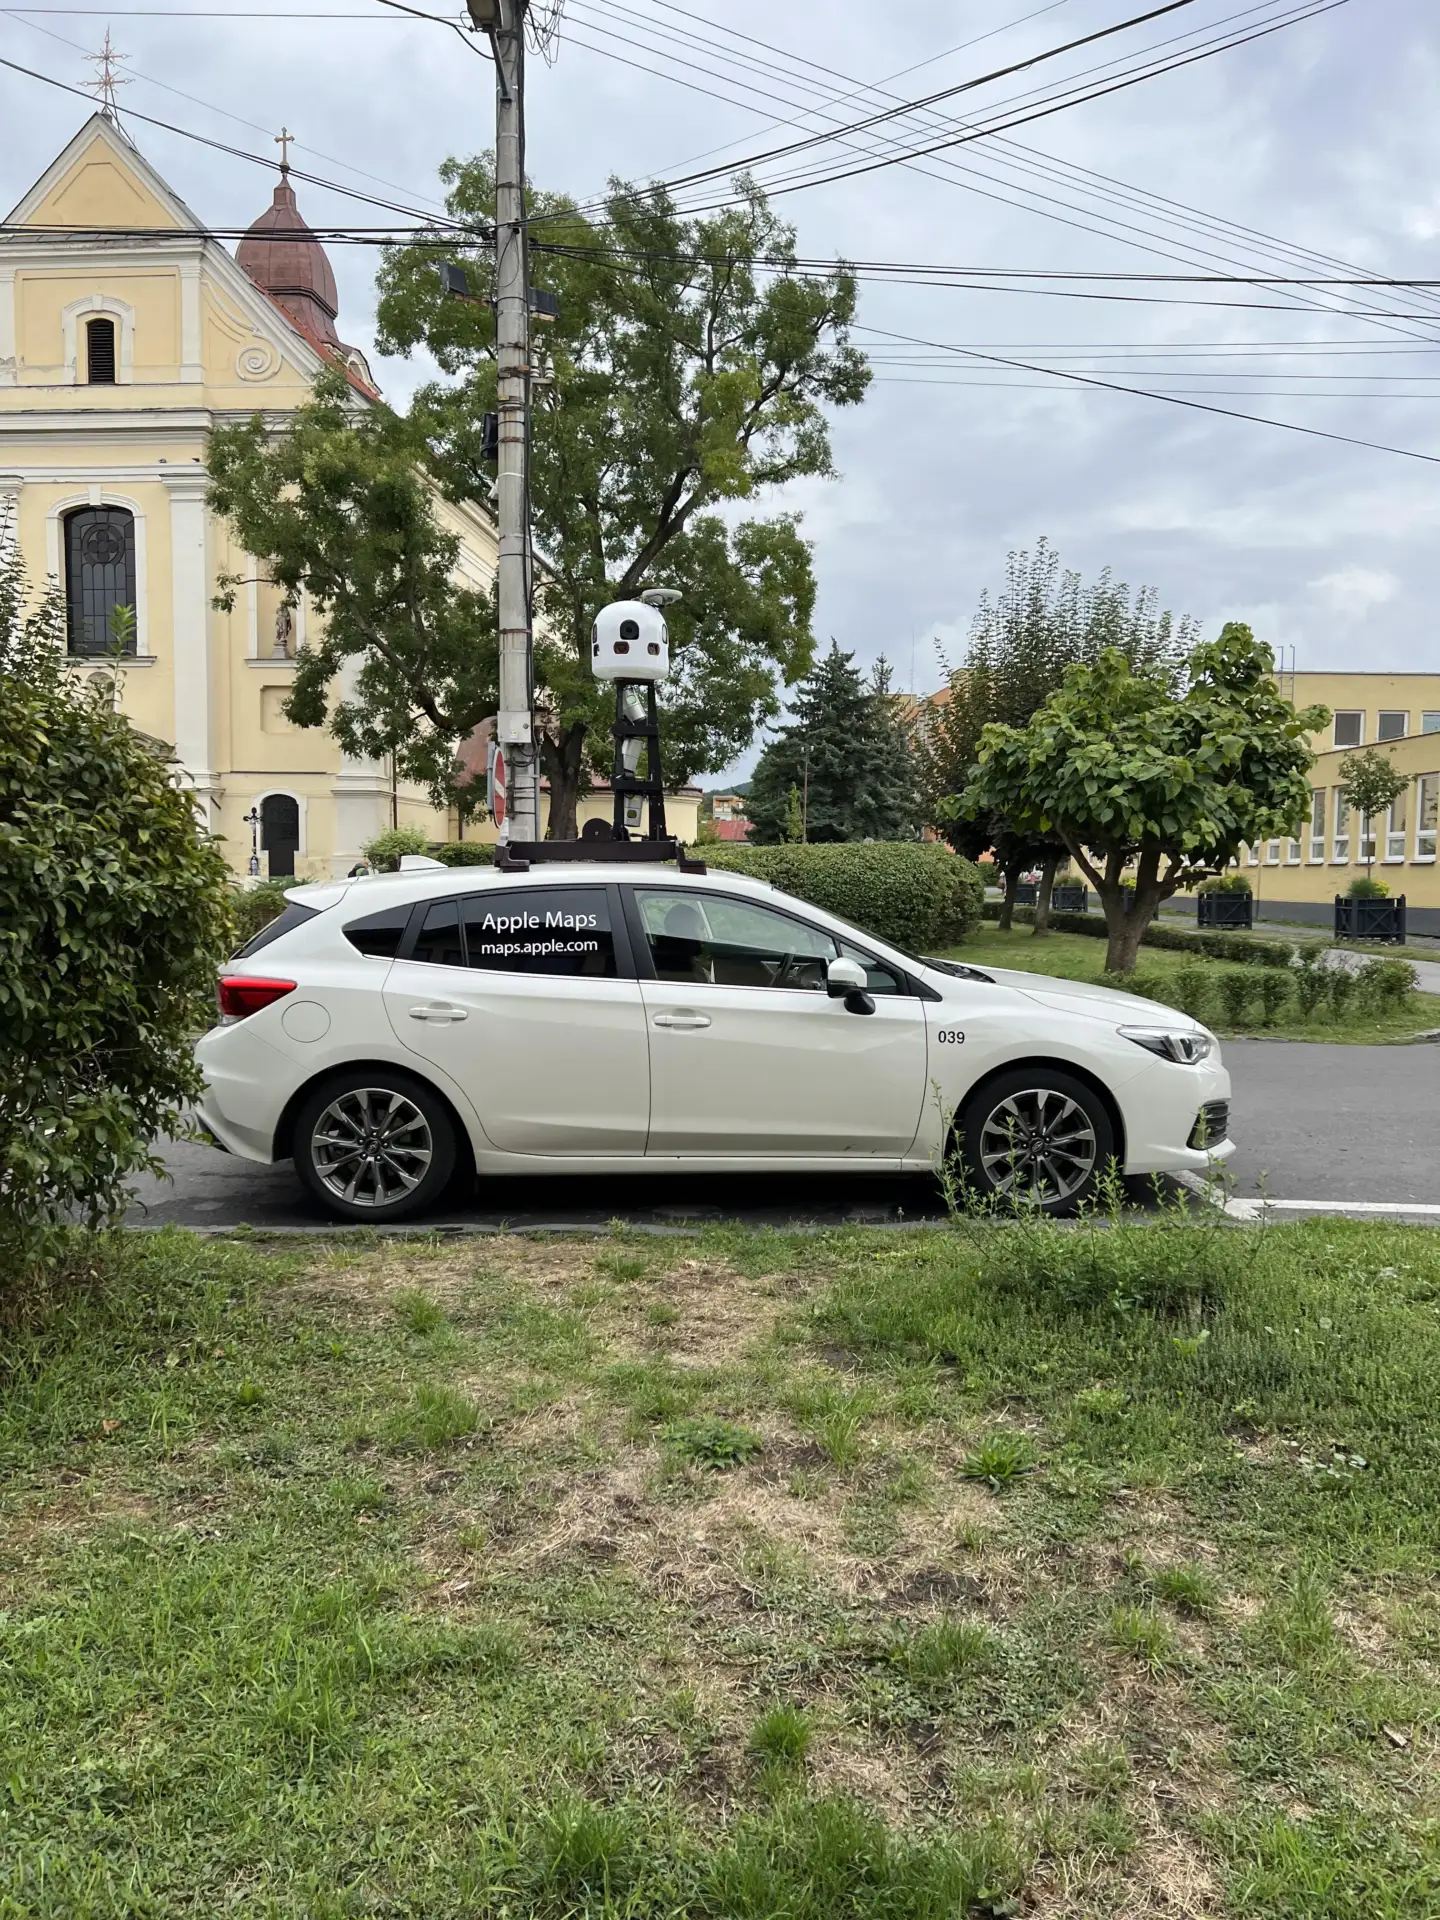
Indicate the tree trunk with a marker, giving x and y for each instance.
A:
(563, 762)
(1125, 929)
(1007, 905)
(1042, 897)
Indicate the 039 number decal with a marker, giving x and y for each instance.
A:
(950, 1036)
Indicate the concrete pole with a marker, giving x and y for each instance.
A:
(515, 724)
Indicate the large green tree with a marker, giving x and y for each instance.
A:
(1126, 773)
(1022, 641)
(688, 374)
(846, 753)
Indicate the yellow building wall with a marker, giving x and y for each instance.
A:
(1368, 694)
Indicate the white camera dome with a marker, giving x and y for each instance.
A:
(630, 641)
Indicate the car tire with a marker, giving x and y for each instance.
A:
(1057, 1124)
(374, 1145)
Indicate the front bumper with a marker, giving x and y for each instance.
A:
(1162, 1108)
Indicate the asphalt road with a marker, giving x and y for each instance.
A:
(1311, 1122)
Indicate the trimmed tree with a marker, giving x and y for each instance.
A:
(1127, 773)
(114, 911)
(1371, 785)
(1021, 643)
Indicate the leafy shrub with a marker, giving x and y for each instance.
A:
(1311, 980)
(1247, 949)
(1230, 882)
(1184, 1267)
(918, 897)
(1366, 887)
(1386, 983)
(463, 853)
(114, 912)
(1192, 989)
(1274, 994)
(385, 851)
(1149, 986)
(1341, 983)
(1236, 988)
(255, 907)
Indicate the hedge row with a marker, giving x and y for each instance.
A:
(1241, 947)
(916, 896)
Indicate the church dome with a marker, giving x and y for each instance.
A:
(284, 259)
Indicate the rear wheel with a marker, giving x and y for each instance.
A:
(1037, 1136)
(376, 1145)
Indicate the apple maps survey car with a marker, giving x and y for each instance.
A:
(386, 1032)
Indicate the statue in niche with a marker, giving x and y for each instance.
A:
(284, 647)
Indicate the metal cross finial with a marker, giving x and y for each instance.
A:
(282, 141)
(107, 79)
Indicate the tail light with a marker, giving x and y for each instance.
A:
(241, 994)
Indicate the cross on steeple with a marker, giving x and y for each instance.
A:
(107, 79)
(283, 140)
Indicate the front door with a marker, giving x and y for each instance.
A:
(749, 1055)
(520, 995)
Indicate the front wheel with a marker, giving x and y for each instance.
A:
(374, 1146)
(1038, 1137)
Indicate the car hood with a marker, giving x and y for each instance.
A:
(1094, 1002)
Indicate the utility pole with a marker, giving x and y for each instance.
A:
(504, 22)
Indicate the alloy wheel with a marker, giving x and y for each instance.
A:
(371, 1147)
(1038, 1144)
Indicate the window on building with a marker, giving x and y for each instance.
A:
(99, 577)
(280, 833)
(1349, 729)
(1395, 829)
(1393, 726)
(1292, 853)
(1252, 855)
(1430, 723)
(1272, 853)
(1317, 823)
(562, 931)
(100, 353)
(1427, 806)
(1341, 842)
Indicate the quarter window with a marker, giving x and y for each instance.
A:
(379, 934)
(562, 932)
(99, 576)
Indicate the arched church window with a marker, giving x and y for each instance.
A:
(280, 832)
(100, 353)
(99, 577)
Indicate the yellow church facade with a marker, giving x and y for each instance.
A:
(127, 334)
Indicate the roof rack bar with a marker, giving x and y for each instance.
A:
(518, 856)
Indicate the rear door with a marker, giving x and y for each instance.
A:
(749, 1054)
(527, 997)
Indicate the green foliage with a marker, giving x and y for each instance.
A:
(1144, 1635)
(1192, 989)
(1236, 992)
(1124, 772)
(1386, 983)
(847, 750)
(1342, 984)
(114, 911)
(1275, 991)
(1187, 1588)
(1365, 887)
(255, 906)
(687, 383)
(435, 1416)
(463, 853)
(712, 1442)
(947, 1650)
(1230, 881)
(1311, 979)
(919, 897)
(337, 504)
(1000, 1460)
(1371, 785)
(782, 1736)
(385, 852)
(1248, 949)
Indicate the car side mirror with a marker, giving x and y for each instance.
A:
(845, 980)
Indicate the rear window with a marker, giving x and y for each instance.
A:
(379, 934)
(294, 916)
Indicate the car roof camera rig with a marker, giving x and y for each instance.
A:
(629, 647)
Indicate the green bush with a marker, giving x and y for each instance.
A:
(1365, 887)
(1342, 991)
(1230, 882)
(1244, 948)
(1192, 988)
(255, 907)
(1236, 988)
(1274, 994)
(463, 853)
(918, 897)
(386, 850)
(114, 911)
(1311, 980)
(1386, 983)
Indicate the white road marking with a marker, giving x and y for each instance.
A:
(1252, 1210)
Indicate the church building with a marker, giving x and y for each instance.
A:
(127, 333)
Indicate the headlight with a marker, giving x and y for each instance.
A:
(1188, 1048)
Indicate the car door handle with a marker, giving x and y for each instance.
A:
(439, 1012)
(682, 1020)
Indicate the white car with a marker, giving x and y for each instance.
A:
(391, 1032)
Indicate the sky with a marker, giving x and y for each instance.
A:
(1321, 137)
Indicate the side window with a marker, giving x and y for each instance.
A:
(557, 931)
(379, 934)
(438, 942)
(731, 943)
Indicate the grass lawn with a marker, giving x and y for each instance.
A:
(1075, 956)
(1001, 1571)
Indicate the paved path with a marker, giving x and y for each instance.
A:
(1313, 1122)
